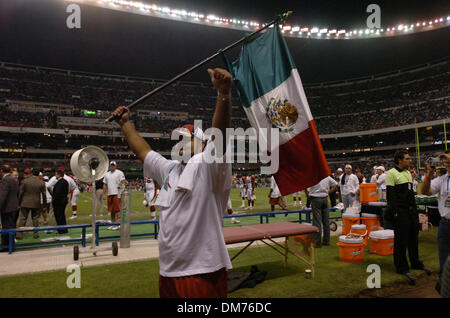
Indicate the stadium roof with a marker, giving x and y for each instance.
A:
(34, 32)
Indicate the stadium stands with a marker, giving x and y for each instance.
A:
(52, 99)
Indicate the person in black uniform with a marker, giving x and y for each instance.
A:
(402, 213)
(9, 203)
(59, 199)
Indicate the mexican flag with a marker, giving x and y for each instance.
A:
(272, 95)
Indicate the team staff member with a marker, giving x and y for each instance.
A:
(9, 203)
(193, 257)
(60, 192)
(441, 185)
(402, 212)
(30, 193)
(113, 186)
(319, 204)
(349, 186)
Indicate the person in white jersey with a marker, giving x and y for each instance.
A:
(193, 258)
(151, 193)
(243, 187)
(250, 181)
(53, 180)
(75, 196)
(113, 186)
(297, 197)
(441, 186)
(349, 186)
(275, 196)
(381, 183)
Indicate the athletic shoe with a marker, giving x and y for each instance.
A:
(110, 228)
(234, 221)
(116, 228)
(242, 206)
(295, 204)
(73, 217)
(411, 278)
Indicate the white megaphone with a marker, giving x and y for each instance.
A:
(90, 164)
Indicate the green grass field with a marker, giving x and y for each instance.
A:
(140, 212)
(140, 279)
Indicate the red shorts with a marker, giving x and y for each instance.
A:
(113, 203)
(211, 285)
(274, 201)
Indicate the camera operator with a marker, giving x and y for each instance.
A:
(441, 185)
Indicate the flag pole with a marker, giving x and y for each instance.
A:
(277, 19)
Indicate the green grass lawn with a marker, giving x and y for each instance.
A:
(140, 279)
(140, 212)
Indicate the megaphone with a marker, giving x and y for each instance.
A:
(89, 163)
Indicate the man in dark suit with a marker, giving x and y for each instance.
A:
(59, 199)
(30, 193)
(9, 203)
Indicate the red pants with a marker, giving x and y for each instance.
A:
(211, 285)
(113, 203)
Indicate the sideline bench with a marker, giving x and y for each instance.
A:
(270, 231)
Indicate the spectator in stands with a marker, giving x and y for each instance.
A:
(349, 187)
(440, 185)
(31, 191)
(402, 213)
(59, 194)
(9, 203)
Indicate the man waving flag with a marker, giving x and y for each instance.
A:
(272, 96)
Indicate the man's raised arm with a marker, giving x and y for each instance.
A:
(137, 144)
(222, 81)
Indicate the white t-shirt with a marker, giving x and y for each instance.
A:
(373, 179)
(275, 191)
(351, 184)
(150, 189)
(113, 181)
(72, 185)
(249, 184)
(381, 181)
(441, 185)
(190, 238)
(321, 189)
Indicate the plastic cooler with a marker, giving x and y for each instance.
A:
(368, 192)
(360, 229)
(381, 242)
(351, 250)
(347, 221)
(371, 221)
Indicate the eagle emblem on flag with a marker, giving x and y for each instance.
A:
(282, 114)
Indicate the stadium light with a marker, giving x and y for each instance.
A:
(142, 7)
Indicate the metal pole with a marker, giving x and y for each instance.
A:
(94, 210)
(159, 88)
(125, 219)
(445, 137)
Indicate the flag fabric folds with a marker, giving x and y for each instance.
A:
(272, 95)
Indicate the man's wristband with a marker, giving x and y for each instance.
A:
(223, 97)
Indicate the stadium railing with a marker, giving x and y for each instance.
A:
(264, 216)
